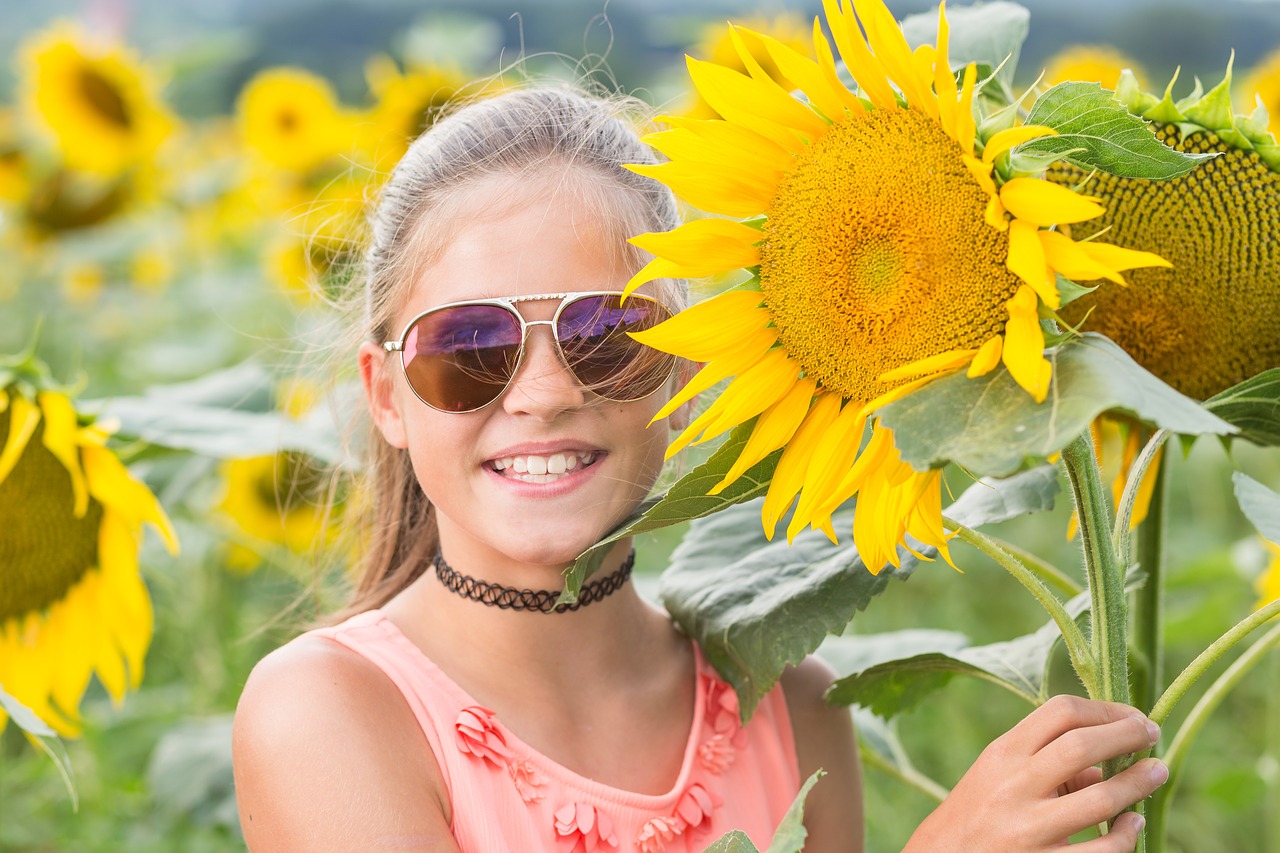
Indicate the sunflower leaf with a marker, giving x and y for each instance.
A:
(756, 607)
(686, 500)
(990, 33)
(990, 426)
(791, 832)
(1259, 504)
(734, 841)
(1096, 131)
(1253, 406)
(43, 738)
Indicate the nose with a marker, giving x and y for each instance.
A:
(542, 386)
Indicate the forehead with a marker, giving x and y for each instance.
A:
(512, 237)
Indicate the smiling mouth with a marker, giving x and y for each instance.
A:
(543, 469)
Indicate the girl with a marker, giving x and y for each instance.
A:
(454, 709)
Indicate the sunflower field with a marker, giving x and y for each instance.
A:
(987, 299)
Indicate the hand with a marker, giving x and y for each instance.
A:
(1036, 785)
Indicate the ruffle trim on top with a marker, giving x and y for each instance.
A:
(584, 827)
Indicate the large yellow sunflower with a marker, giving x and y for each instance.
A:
(98, 100)
(72, 603)
(408, 103)
(890, 245)
(1213, 319)
(718, 47)
(291, 119)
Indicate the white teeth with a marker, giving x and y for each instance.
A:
(543, 469)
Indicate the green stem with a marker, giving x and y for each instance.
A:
(905, 773)
(1077, 646)
(1158, 811)
(1160, 711)
(1148, 601)
(1050, 574)
(1106, 579)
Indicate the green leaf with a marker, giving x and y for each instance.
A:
(686, 500)
(989, 426)
(1259, 504)
(791, 832)
(190, 772)
(1253, 406)
(1102, 134)
(43, 738)
(880, 748)
(989, 33)
(735, 841)
(227, 415)
(756, 607)
(933, 657)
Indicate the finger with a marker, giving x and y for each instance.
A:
(1077, 750)
(1083, 779)
(1061, 714)
(1105, 800)
(1122, 838)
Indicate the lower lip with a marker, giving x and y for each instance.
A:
(571, 481)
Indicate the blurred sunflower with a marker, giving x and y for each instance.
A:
(98, 100)
(322, 239)
(1268, 583)
(890, 246)
(15, 177)
(407, 103)
(291, 119)
(1091, 63)
(1263, 82)
(72, 603)
(717, 47)
(1213, 319)
(279, 499)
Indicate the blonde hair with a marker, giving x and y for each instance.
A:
(520, 133)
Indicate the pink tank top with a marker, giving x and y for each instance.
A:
(506, 796)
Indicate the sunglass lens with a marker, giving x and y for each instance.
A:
(460, 359)
(593, 336)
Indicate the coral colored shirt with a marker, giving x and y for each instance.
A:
(508, 797)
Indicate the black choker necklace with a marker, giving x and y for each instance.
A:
(541, 601)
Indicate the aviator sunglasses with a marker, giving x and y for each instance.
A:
(462, 356)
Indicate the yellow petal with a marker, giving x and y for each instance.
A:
(761, 105)
(981, 173)
(891, 48)
(1042, 203)
(711, 187)
(1027, 261)
(987, 358)
(865, 68)
(23, 417)
(1024, 345)
(60, 440)
(995, 214)
(807, 76)
(943, 361)
(827, 65)
(793, 465)
(773, 430)
(965, 126)
(833, 457)
(944, 80)
(713, 140)
(895, 394)
(711, 328)
(868, 461)
(1065, 256)
(713, 245)
(1011, 136)
(753, 391)
(112, 486)
(730, 362)
(1120, 258)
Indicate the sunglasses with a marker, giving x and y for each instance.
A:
(462, 356)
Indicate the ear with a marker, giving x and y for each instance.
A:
(380, 394)
(680, 419)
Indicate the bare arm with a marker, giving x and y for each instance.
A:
(329, 758)
(1037, 785)
(824, 739)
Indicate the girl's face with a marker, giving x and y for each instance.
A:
(519, 240)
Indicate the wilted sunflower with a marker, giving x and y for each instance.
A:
(1091, 63)
(291, 118)
(1213, 319)
(72, 603)
(98, 100)
(407, 104)
(888, 250)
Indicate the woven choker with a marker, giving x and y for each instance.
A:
(540, 600)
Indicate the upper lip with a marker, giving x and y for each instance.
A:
(543, 448)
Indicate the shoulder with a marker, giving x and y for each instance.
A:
(825, 740)
(328, 755)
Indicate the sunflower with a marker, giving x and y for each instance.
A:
(1263, 83)
(1091, 63)
(1213, 319)
(718, 48)
(98, 100)
(1268, 583)
(408, 103)
(291, 119)
(72, 603)
(890, 245)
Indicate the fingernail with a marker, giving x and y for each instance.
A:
(1153, 732)
(1159, 772)
(1139, 822)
